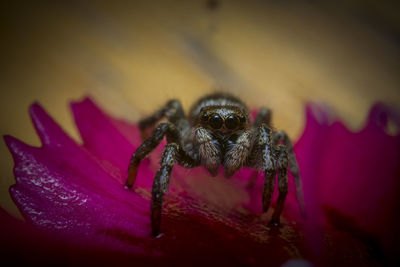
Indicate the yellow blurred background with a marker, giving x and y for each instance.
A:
(132, 56)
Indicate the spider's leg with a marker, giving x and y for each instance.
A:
(268, 189)
(160, 185)
(263, 116)
(149, 145)
(281, 136)
(262, 157)
(172, 110)
(172, 152)
(281, 165)
(268, 165)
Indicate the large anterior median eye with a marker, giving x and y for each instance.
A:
(215, 122)
(231, 122)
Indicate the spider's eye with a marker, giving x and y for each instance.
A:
(216, 122)
(204, 118)
(231, 122)
(242, 119)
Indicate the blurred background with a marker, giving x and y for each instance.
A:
(132, 56)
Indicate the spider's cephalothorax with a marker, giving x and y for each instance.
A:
(217, 132)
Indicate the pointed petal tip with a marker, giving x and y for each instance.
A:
(37, 113)
(8, 139)
(86, 100)
(48, 130)
(80, 105)
(11, 142)
(11, 191)
(35, 108)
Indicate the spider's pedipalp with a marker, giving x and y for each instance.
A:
(209, 150)
(237, 154)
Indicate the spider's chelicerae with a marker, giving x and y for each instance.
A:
(217, 132)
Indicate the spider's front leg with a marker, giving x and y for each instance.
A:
(281, 136)
(160, 185)
(261, 157)
(271, 159)
(164, 129)
(173, 153)
(263, 117)
(281, 166)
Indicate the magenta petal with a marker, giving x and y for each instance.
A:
(76, 193)
(63, 188)
(111, 140)
(100, 136)
(355, 174)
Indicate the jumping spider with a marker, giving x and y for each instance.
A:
(217, 132)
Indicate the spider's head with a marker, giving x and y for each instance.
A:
(223, 119)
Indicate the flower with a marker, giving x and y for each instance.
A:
(74, 194)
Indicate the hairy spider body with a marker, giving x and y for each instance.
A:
(217, 132)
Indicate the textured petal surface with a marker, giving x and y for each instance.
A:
(75, 192)
(64, 188)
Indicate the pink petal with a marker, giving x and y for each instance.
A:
(350, 178)
(76, 193)
(63, 188)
